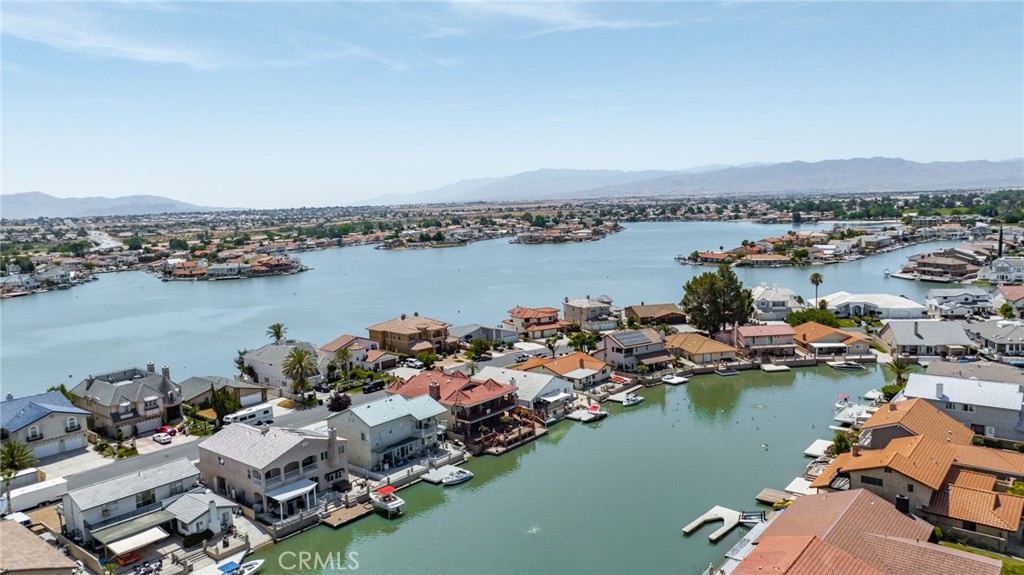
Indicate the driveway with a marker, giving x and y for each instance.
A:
(146, 444)
(64, 464)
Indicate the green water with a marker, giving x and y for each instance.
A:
(609, 497)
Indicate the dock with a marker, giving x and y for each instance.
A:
(800, 486)
(770, 496)
(346, 515)
(437, 474)
(584, 416)
(621, 396)
(772, 368)
(817, 449)
(729, 517)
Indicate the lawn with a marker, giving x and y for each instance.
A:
(1011, 566)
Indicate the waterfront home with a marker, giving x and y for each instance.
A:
(129, 505)
(268, 362)
(1003, 270)
(989, 408)
(22, 552)
(534, 322)
(234, 269)
(988, 370)
(773, 303)
(969, 506)
(873, 242)
(940, 266)
(18, 283)
(1013, 295)
(47, 422)
(823, 341)
(765, 340)
(882, 306)
(853, 532)
(473, 408)
(716, 257)
(582, 370)
(630, 349)
(469, 332)
(650, 314)
(384, 433)
(764, 260)
(130, 401)
(196, 391)
(548, 396)
(998, 336)
(699, 349)
(595, 314)
(957, 303)
(909, 418)
(199, 511)
(273, 470)
(924, 337)
(411, 335)
(364, 353)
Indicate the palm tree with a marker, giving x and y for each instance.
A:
(14, 456)
(276, 332)
(552, 342)
(472, 367)
(343, 356)
(298, 365)
(816, 280)
(898, 367)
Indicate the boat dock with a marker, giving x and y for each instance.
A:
(770, 496)
(729, 517)
(583, 415)
(817, 449)
(800, 486)
(437, 474)
(346, 515)
(621, 396)
(772, 368)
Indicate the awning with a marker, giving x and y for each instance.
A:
(655, 358)
(403, 443)
(137, 541)
(386, 490)
(293, 489)
(150, 398)
(556, 397)
(229, 567)
(132, 526)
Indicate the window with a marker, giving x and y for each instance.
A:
(323, 455)
(970, 526)
(150, 404)
(177, 487)
(888, 470)
(950, 405)
(145, 498)
(124, 407)
(72, 424)
(341, 449)
(220, 461)
(362, 436)
(910, 488)
(870, 480)
(967, 407)
(33, 433)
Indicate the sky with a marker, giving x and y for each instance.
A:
(265, 105)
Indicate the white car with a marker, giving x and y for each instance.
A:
(162, 438)
(523, 357)
(414, 363)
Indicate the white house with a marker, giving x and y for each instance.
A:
(773, 303)
(382, 432)
(989, 408)
(1003, 270)
(268, 362)
(198, 511)
(549, 396)
(884, 306)
(962, 302)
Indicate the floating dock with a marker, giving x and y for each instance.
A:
(584, 415)
(621, 396)
(800, 486)
(770, 496)
(817, 449)
(345, 515)
(437, 474)
(729, 518)
(772, 368)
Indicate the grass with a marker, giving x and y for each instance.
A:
(1011, 566)
(847, 323)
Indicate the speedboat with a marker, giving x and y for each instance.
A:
(842, 401)
(596, 413)
(631, 399)
(385, 500)
(456, 477)
(674, 379)
(845, 365)
(250, 567)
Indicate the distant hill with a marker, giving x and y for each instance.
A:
(37, 204)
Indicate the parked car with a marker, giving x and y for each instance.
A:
(322, 388)
(414, 363)
(162, 438)
(523, 357)
(168, 429)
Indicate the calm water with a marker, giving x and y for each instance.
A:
(196, 328)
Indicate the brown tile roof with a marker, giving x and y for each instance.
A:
(694, 343)
(654, 310)
(920, 458)
(998, 510)
(971, 479)
(409, 325)
(455, 388)
(811, 332)
(900, 556)
(980, 458)
(920, 418)
(23, 551)
(762, 330)
(801, 555)
(1012, 293)
(532, 312)
(767, 258)
(341, 342)
(374, 355)
(563, 365)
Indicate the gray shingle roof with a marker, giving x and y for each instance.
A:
(275, 354)
(953, 292)
(396, 406)
(126, 485)
(998, 330)
(196, 386)
(530, 384)
(929, 332)
(980, 369)
(192, 506)
(128, 385)
(969, 391)
(20, 412)
(254, 446)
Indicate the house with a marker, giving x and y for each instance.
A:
(630, 349)
(650, 314)
(924, 337)
(766, 340)
(412, 335)
(383, 432)
(989, 408)
(1013, 295)
(989, 370)
(581, 370)
(548, 396)
(197, 511)
(195, 391)
(467, 333)
(231, 269)
(131, 401)
(823, 341)
(998, 336)
(268, 362)
(953, 303)
(22, 552)
(883, 306)
(970, 507)
(534, 322)
(910, 418)
(273, 470)
(699, 349)
(1003, 270)
(46, 422)
(853, 532)
(362, 352)
(128, 506)
(773, 303)
(591, 314)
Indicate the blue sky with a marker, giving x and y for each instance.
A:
(262, 104)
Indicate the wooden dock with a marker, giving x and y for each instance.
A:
(621, 396)
(817, 449)
(770, 496)
(344, 515)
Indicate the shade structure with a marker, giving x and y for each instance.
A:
(229, 567)
(142, 523)
(293, 489)
(137, 541)
(386, 490)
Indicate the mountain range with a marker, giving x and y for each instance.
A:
(37, 204)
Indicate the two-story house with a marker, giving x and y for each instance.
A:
(411, 335)
(362, 352)
(276, 471)
(630, 349)
(595, 314)
(765, 340)
(196, 391)
(547, 396)
(909, 418)
(998, 336)
(824, 341)
(132, 401)
(392, 429)
(581, 370)
(773, 303)
(1013, 295)
(534, 322)
(649, 314)
(46, 422)
(956, 303)
(989, 408)
(268, 362)
(1003, 270)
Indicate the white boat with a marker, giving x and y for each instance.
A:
(674, 379)
(250, 567)
(845, 365)
(386, 500)
(632, 399)
(456, 477)
(842, 401)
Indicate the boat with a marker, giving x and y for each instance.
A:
(456, 477)
(842, 401)
(817, 467)
(874, 395)
(632, 399)
(886, 272)
(249, 567)
(845, 365)
(596, 413)
(674, 379)
(726, 371)
(385, 500)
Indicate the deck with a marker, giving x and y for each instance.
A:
(621, 396)
(346, 515)
(437, 474)
(817, 449)
(584, 416)
(770, 496)
(772, 368)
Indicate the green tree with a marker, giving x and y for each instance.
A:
(134, 242)
(428, 359)
(714, 300)
(583, 341)
(177, 244)
(816, 280)
(64, 390)
(479, 346)
(841, 443)
(223, 402)
(552, 343)
(14, 456)
(472, 367)
(898, 367)
(276, 332)
(1006, 310)
(344, 358)
(822, 316)
(241, 367)
(297, 366)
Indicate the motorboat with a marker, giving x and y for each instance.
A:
(596, 413)
(674, 379)
(842, 401)
(385, 500)
(817, 467)
(632, 399)
(845, 365)
(456, 477)
(250, 567)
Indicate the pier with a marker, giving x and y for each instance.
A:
(621, 396)
(817, 449)
(437, 474)
(770, 496)
(772, 368)
(729, 517)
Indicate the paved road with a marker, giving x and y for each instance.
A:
(190, 450)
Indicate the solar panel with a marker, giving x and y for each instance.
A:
(631, 338)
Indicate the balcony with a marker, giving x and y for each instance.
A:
(309, 468)
(256, 482)
(35, 437)
(292, 474)
(72, 428)
(272, 480)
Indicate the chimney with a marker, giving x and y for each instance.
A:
(588, 297)
(892, 406)
(581, 363)
(166, 371)
(10, 396)
(855, 450)
(332, 447)
(566, 300)
(403, 316)
(435, 391)
(264, 429)
(415, 314)
(915, 329)
(214, 520)
(150, 367)
(903, 504)
(938, 391)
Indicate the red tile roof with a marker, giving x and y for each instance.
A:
(341, 342)
(920, 418)
(801, 555)
(998, 510)
(455, 388)
(899, 556)
(1012, 293)
(521, 312)
(763, 330)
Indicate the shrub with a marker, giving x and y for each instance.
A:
(890, 391)
(1019, 447)
(936, 534)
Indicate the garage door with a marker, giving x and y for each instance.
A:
(46, 449)
(148, 425)
(73, 443)
(251, 399)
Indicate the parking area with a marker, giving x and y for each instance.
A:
(148, 445)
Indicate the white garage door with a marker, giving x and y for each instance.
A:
(251, 399)
(148, 425)
(46, 449)
(73, 443)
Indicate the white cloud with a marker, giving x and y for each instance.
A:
(554, 17)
